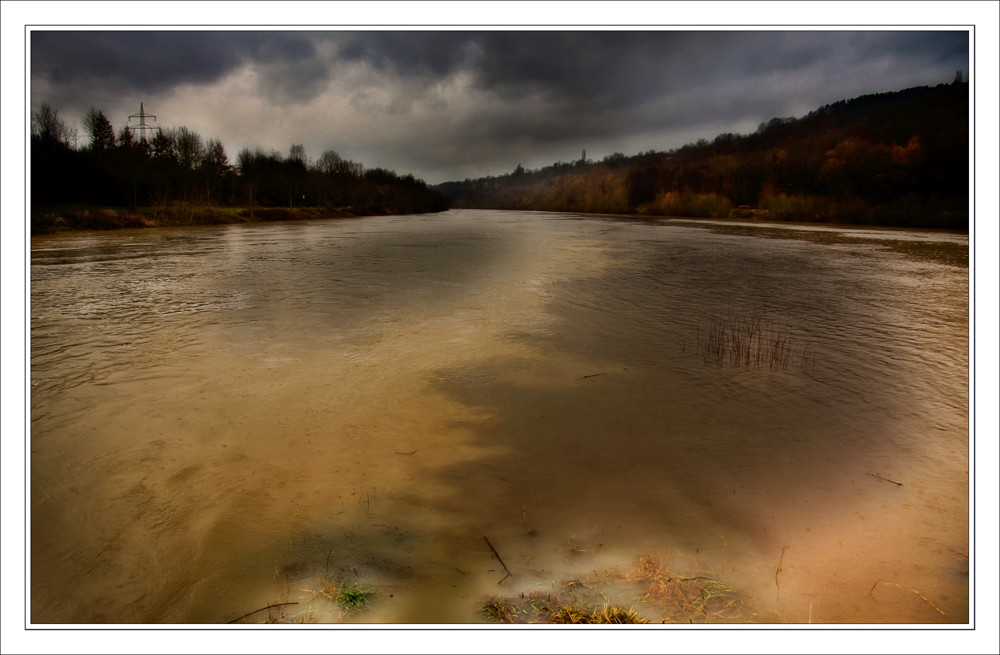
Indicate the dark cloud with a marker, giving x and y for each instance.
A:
(597, 69)
(427, 101)
(412, 53)
(129, 61)
(918, 45)
(595, 66)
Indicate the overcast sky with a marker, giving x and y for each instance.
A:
(447, 105)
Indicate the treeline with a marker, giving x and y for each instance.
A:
(891, 159)
(177, 168)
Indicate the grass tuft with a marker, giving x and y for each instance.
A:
(498, 610)
(750, 341)
(354, 596)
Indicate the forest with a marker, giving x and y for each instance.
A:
(899, 159)
(175, 177)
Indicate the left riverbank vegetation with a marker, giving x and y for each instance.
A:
(120, 179)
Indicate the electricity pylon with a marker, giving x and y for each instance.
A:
(142, 116)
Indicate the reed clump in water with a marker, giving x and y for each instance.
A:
(750, 341)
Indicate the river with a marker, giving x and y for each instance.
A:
(221, 418)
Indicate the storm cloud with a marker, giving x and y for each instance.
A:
(453, 104)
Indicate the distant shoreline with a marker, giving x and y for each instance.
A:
(70, 218)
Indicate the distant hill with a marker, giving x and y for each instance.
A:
(897, 158)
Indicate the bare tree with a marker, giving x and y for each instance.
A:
(45, 125)
(329, 162)
(215, 158)
(297, 153)
(190, 149)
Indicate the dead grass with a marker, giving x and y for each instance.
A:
(555, 608)
(609, 614)
(687, 599)
(647, 592)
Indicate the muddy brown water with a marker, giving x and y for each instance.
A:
(222, 417)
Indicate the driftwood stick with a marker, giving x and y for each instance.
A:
(406, 453)
(777, 573)
(876, 475)
(592, 375)
(497, 555)
(261, 610)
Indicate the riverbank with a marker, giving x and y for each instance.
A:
(49, 220)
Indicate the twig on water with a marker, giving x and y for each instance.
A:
(261, 610)
(497, 555)
(876, 475)
(402, 453)
(873, 588)
(777, 573)
(906, 588)
(592, 375)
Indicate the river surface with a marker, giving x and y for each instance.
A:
(221, 418)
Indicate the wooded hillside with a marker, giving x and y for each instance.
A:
(890, 158)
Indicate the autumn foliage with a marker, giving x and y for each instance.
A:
(891, 158)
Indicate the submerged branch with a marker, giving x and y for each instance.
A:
(497, 555)
(261, 610)
(876, 475)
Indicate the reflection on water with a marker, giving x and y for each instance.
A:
(224, 417)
